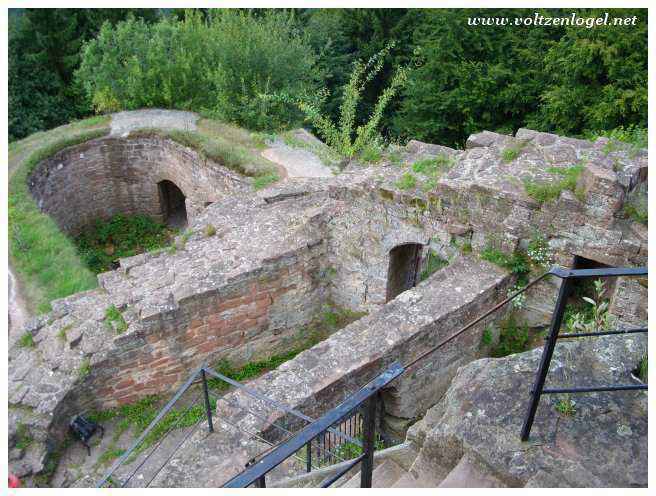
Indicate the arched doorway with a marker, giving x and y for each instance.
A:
(172, 200)
(403, 271)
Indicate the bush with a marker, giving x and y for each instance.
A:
(234, 66)
(513, 338)
(101, 244)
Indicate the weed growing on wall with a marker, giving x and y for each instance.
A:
(513, 338)
(545, 191)
(433, 263)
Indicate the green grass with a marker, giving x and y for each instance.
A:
(433, 263)
(371, 154)
(26, 340)
(109, 455)
(565, 406)
(545, 191)
(513, 338)
(45, 259)
(642, 369)
(114, 320)
(406, 181)
(511, 152)
(105, 241)
(433, 167)
(517, 262)
(486, 337)
(23, 437)
(209, 230)
(638, 213)
(85, 368)
(264, 180)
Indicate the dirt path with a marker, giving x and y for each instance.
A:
(296, 162)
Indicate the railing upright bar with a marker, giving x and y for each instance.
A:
(308, 457)
(368, 444)
(549, 345)
(208, 406)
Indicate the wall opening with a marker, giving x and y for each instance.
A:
(585, 287)
(172, 200)
(403, 269)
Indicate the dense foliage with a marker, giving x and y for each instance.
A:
(251, 67)
(105, 241)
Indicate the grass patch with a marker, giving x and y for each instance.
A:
(565, 406)
(433, 167)
(486, 337)
(433, 263)
(103, 243)
(26, 340)
(264, 180)
(513, 338)
(511, 152)
(209, 230)
(114, 320)
(637, 213)
(61, 334)
(85, 368)
(641, 371)
(23, 437)
(406, 181)
(543, 191)
(109, 455)
(45, 259)
(371, 154)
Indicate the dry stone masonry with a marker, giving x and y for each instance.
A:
(249, 289)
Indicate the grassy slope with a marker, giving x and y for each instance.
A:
(45, 260)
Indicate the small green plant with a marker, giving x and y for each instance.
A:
(486, 337)
(114, 319)
(344, 137)
(597, 318)
(466, 248)
(23, 437)
(513, 338)
(511, 152)
(61, 334)
(395, 158)
(264, 180)
(26, 340)
(641, 371)
(210, 230)
(372, 153)
(406, 181)
(566, 407)
(105, 241)
(638, 213)
(85, 368)
(516, 262)
(545, 191)
(433, 263)
(109, 455)
(539, 252)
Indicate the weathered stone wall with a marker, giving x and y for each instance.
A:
(113, 175)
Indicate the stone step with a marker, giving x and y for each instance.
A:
(468, 473)
(384, 475)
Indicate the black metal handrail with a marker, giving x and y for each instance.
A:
(568, 277)
(256, 473)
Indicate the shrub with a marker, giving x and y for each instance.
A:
(236, 65)
(344, 137)
(516, 262)
(104, 242)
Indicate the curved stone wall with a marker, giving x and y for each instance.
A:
(109, 176)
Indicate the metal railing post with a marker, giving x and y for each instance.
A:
(261, 482)
(547, 353)
(208, 406)
(368, 442)
(308, 461)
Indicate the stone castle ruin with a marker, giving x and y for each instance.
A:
(247, 287)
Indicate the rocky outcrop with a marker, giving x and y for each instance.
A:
(603, 443)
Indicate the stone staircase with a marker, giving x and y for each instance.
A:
(401, 467)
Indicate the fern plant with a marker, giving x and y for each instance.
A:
(343, 136)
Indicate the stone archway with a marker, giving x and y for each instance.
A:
(172, 201)
(403, 271)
